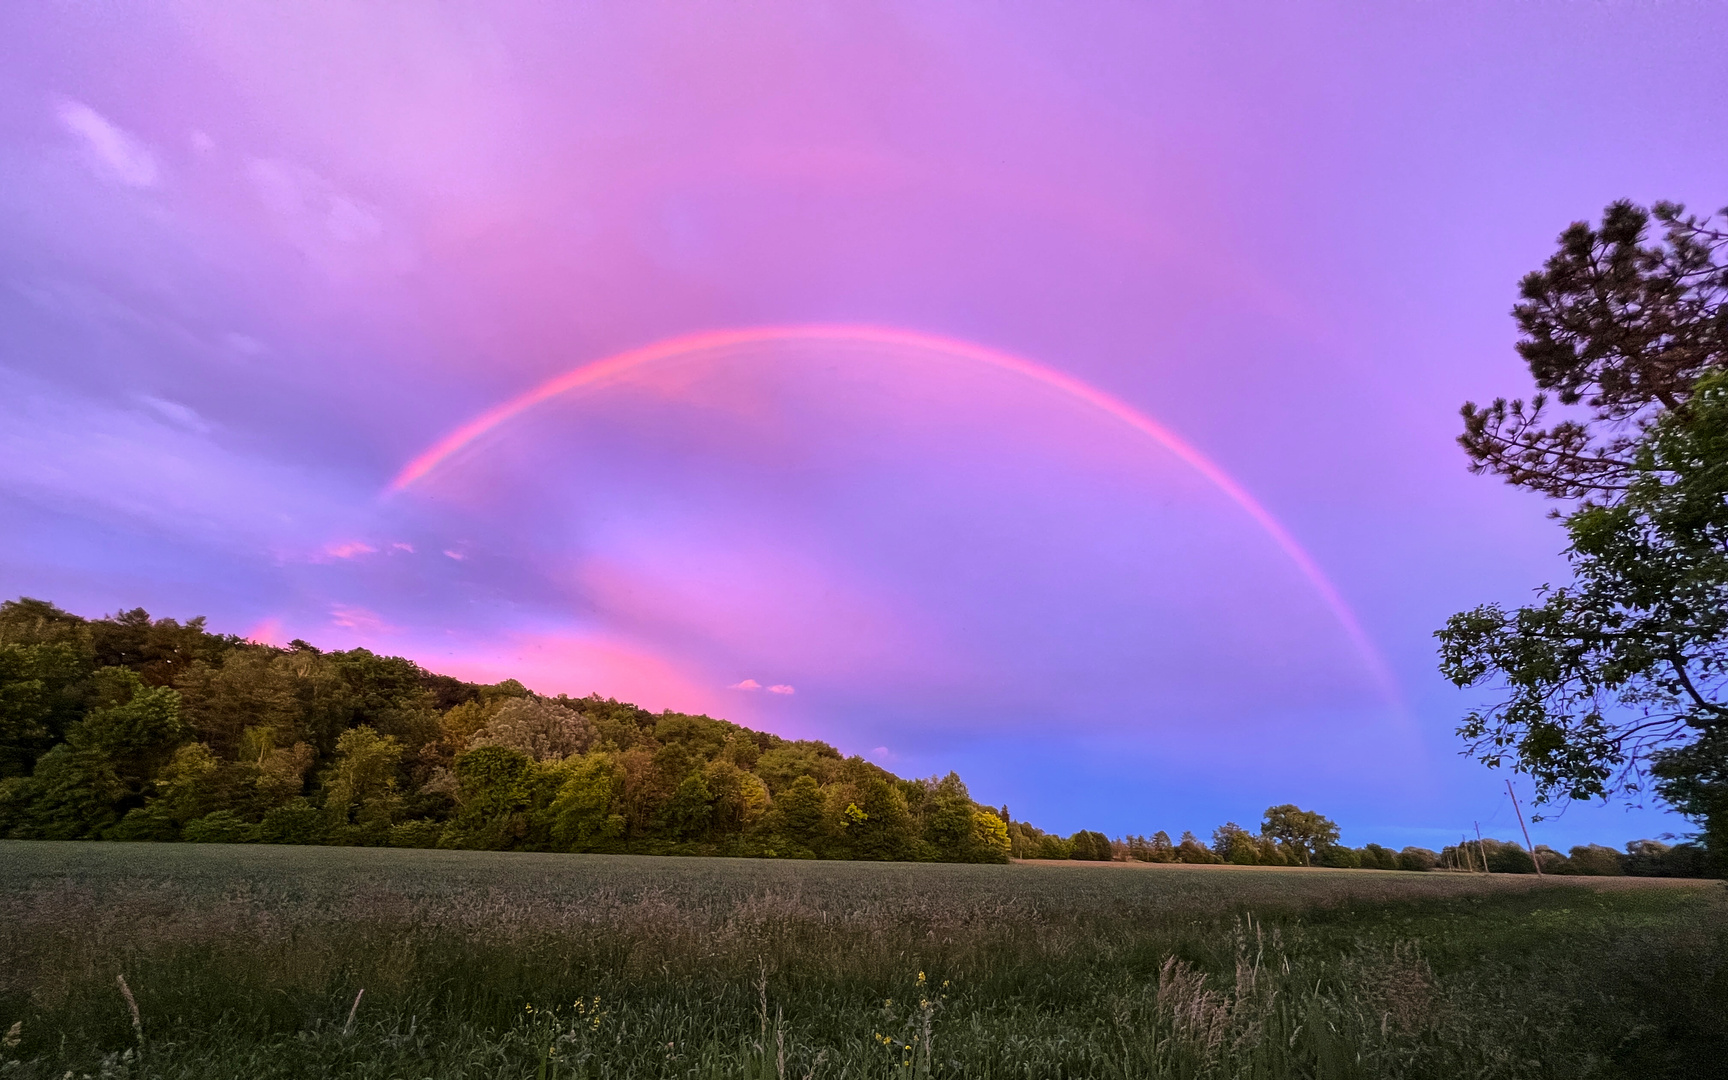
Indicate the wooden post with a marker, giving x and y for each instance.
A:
(1481, 849)
(1533, 856)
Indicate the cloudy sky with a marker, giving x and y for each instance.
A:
(1063, 395)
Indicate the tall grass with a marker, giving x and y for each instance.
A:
(267, 962)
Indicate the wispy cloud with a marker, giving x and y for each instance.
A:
(307, 201)
(781, 688)
(356, 618)
(747, 684)
(113, 153)
(181, 415)
(347, 549)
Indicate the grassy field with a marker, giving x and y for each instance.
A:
(251, 961)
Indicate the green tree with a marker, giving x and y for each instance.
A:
(83, 786)
(361, 795)
(879, 826)
(989, 838)
(72, 794)
(185, 790)
(948, 819)
(1160, 848)
(1190, 850)
(1089, 846)
(544, 730)
(1623, 668)
(584, 813)
(1618, 328)
(1629, 663)
(495, 798)
(689, 812)
(1234, 844)
(798, 811)
(1303, 833)
(38, 701)
(740, 799)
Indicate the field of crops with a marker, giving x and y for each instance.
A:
(190, 960)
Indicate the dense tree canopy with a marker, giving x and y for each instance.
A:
(1618, 329)
(137, 728)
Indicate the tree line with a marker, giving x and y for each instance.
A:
(136, 728)
(1291, 836)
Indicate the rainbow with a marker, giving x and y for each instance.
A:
(599, 371)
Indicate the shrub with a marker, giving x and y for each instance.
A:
(1653, 858)
(415, 834)
(1596, 860)
(1418, 859)
(1552, 862)
(221, 827)
(145, 823)
(297, 822)
(1375, 857)
(1506, 857)
(1339, 857)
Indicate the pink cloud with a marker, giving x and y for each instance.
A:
(747, 684)
(578, 664)
(403, 546)
(457, 555)
(347, 549)
(266, 632)
(781, 688)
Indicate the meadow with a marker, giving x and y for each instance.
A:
(195, 960)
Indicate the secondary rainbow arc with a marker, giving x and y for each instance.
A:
(598, 371)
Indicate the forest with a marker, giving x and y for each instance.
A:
(130, 727)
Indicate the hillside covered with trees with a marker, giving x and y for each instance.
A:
(133, 728)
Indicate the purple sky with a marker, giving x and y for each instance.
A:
(256, 259)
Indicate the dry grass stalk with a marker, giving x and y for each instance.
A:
(1198, 1016)
(132, 1005)
(352, 1009)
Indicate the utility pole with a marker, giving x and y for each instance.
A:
(1480, 849)
(1520, 813)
